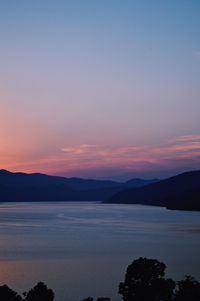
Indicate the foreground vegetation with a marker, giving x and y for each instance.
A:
(144, 281)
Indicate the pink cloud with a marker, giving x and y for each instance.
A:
(176, 152)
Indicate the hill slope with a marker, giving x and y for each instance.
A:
(41, 187)
(178, 192)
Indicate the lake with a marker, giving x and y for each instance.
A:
(83, 249)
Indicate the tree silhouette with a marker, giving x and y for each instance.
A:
(87, 299)
(188, 289)
(7, 294)
(144, 281)
(98, 299)
(40, 292)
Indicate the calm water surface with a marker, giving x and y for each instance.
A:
(82, 249)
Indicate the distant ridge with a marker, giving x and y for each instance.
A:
(179, 192)
(20, 186)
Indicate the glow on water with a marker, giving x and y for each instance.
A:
(82, 249)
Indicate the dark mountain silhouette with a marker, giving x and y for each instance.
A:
(40, 187)
(179, 192)
(187, 200)
(140, 182)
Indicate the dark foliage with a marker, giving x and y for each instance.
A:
(99, 299)
(188, 289)
(144, 281)
(7, 294)
(40, 292)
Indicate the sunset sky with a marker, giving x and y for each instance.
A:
(100, 88)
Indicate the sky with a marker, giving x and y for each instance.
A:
(100, 88)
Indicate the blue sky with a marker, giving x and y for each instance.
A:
(100, 79)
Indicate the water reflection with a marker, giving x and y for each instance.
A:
(82, 249)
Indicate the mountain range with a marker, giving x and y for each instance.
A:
(180, 192)
(20, 187)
